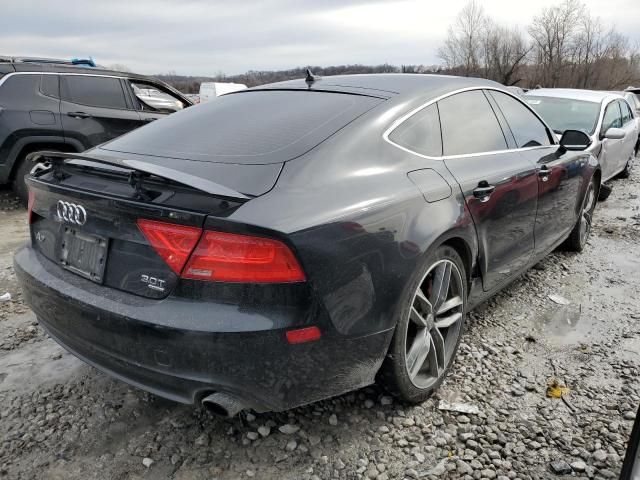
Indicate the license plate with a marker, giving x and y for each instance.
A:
(84, 254)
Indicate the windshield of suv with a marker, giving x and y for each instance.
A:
(565, 113)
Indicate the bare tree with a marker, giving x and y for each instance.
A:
(554, 33)
(462, 49)
(504, 53)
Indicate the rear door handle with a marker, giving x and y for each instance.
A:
(79, 115)
(483, 191)
(544, 173)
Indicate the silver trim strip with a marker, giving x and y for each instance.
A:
(406, 116)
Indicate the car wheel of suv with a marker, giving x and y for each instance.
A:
(429, 328)
(18, 184)
(580, 233)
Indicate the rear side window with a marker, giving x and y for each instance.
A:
(469, 125)
(612, 117)
(251, 127)
(527, 129)
(50, 86)
(420, 133)
(16, 89)
(94, 91)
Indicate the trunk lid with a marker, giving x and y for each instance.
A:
(249, 179)
(84, 218)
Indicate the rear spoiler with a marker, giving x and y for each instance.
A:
(139, 171)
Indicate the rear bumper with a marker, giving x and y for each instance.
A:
(182, 349)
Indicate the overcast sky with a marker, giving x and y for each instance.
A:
(197, 37)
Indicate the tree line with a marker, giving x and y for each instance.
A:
(563, 46)
(253, 78)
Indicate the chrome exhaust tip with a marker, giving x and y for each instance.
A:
(222, 404)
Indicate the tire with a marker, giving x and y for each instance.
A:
(604, 192)
(626, 173)
(18, 185)
(580, 234)
(415, 327)
(22, 168)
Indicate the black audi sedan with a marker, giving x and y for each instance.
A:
(298, 240)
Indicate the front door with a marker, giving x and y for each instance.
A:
(561, 177)
(630, 127)
(612, 149)
(559, 172)
(500, 186)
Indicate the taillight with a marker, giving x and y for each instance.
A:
(174, 243)
(303, 335)
(30, 203)
(229, 257)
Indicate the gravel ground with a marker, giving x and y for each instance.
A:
(61, 419)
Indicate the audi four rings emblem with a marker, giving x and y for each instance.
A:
(72, 213)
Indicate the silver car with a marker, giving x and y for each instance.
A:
(632, 94)
(605, 116)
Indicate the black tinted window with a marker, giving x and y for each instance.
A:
(420, 133)
(469, 124)
(252, 127)
(49, 85)
(95, 91)
(527, 129)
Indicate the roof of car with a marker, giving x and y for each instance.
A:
(628, 94)
(595, 96)
(18, 67)
(385, 84)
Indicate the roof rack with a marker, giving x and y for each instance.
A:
(80, 62)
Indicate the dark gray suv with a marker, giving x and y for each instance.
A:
(46, 106)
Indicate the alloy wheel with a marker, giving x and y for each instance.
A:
(435, 322)
(587, 213)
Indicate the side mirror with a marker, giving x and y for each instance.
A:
(614, 133)
(575, 140)
(631, 465)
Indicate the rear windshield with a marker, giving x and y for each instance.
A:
(565, 113)
(252, 127)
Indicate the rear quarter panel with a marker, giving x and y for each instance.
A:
(359, 225)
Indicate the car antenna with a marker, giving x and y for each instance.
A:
(311, 78)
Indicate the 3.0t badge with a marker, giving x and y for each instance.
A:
(71, 212)
(154, 283)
